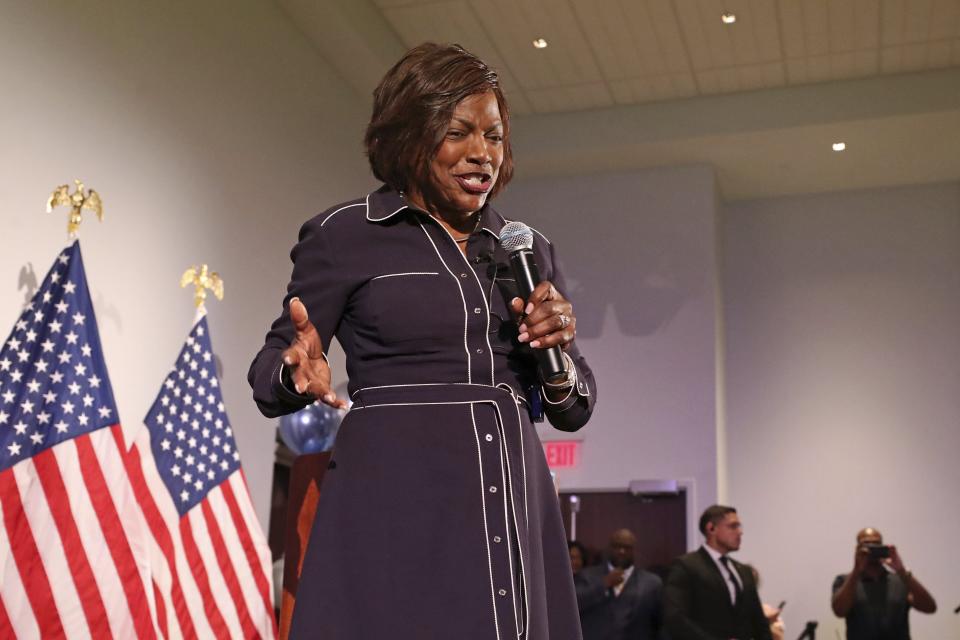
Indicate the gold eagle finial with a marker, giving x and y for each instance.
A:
(77, 201)
(202, 279)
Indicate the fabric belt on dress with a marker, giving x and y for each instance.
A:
(440, 392)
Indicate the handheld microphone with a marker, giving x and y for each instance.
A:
(516, 239)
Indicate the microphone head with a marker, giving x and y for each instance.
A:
(516, 236)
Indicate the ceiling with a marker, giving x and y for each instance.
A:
(651, 55)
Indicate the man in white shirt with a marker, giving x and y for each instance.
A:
(709, 595)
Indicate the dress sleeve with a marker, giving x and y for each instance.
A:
(572, 412)
(319, 282)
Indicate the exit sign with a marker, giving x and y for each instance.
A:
(562, 454)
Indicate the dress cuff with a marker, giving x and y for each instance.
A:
(284, 389)
(579, 389)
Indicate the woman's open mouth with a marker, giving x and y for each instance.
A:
(475, 183)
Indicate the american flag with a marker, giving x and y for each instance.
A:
(72, 554)
(98, 540)
(209, 558)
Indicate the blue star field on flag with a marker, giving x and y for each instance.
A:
(190, 435)
(53, 380)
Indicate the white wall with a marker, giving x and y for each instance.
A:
(639, 254)
(839, 358)
(211, 130)
(843, 389)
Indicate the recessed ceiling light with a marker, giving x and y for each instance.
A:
(540, 43)
(839, 146)
(728, 18)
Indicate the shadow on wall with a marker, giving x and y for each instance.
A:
(108, 311)
(27, 280)
(645, 294)
(642, 251)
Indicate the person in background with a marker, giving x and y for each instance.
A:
(777, 628)
(578, 556)
(617, 600)
(875, 598)
(709, 594)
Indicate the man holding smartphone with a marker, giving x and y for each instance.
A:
(875, 598)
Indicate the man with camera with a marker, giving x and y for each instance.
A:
(876, 597)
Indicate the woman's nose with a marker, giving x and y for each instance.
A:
(478, 152)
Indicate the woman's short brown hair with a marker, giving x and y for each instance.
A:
(412, 108)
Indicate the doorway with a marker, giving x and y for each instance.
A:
(658, 521)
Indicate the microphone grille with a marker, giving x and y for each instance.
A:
(516, 235)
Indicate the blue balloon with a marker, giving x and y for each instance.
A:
(312, 429)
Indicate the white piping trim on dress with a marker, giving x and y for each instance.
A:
(545, 238)
(523, 460)
(418, 404)
(466, 318)
(384, 217)
(493, 284)
(408, 273)
(517, 398)
(486, 305)
(502, 386)
(355, 204)
(505, 221)
(513, 507)
(486, 530)
(438, 384)
(496, 407)
(506, 482)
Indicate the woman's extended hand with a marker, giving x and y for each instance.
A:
(547, 320)
(304, 357)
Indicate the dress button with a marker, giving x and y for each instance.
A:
(476, 310)
(496, 539)
(502, 592)
(493, 489)
(480, 351)
(489, 437)
(463, 275)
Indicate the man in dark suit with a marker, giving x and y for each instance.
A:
(618, 600)
(710, 596)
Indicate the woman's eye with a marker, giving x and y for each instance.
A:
(496, 137)
(453, 133)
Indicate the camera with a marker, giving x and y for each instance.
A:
(878, 550)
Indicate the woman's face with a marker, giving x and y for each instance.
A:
(467, 163)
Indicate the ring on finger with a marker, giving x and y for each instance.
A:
(564, 321)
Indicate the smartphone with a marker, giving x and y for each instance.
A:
(878, 550)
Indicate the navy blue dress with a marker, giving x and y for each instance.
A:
(438, 517)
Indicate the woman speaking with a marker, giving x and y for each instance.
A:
(438, 517)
